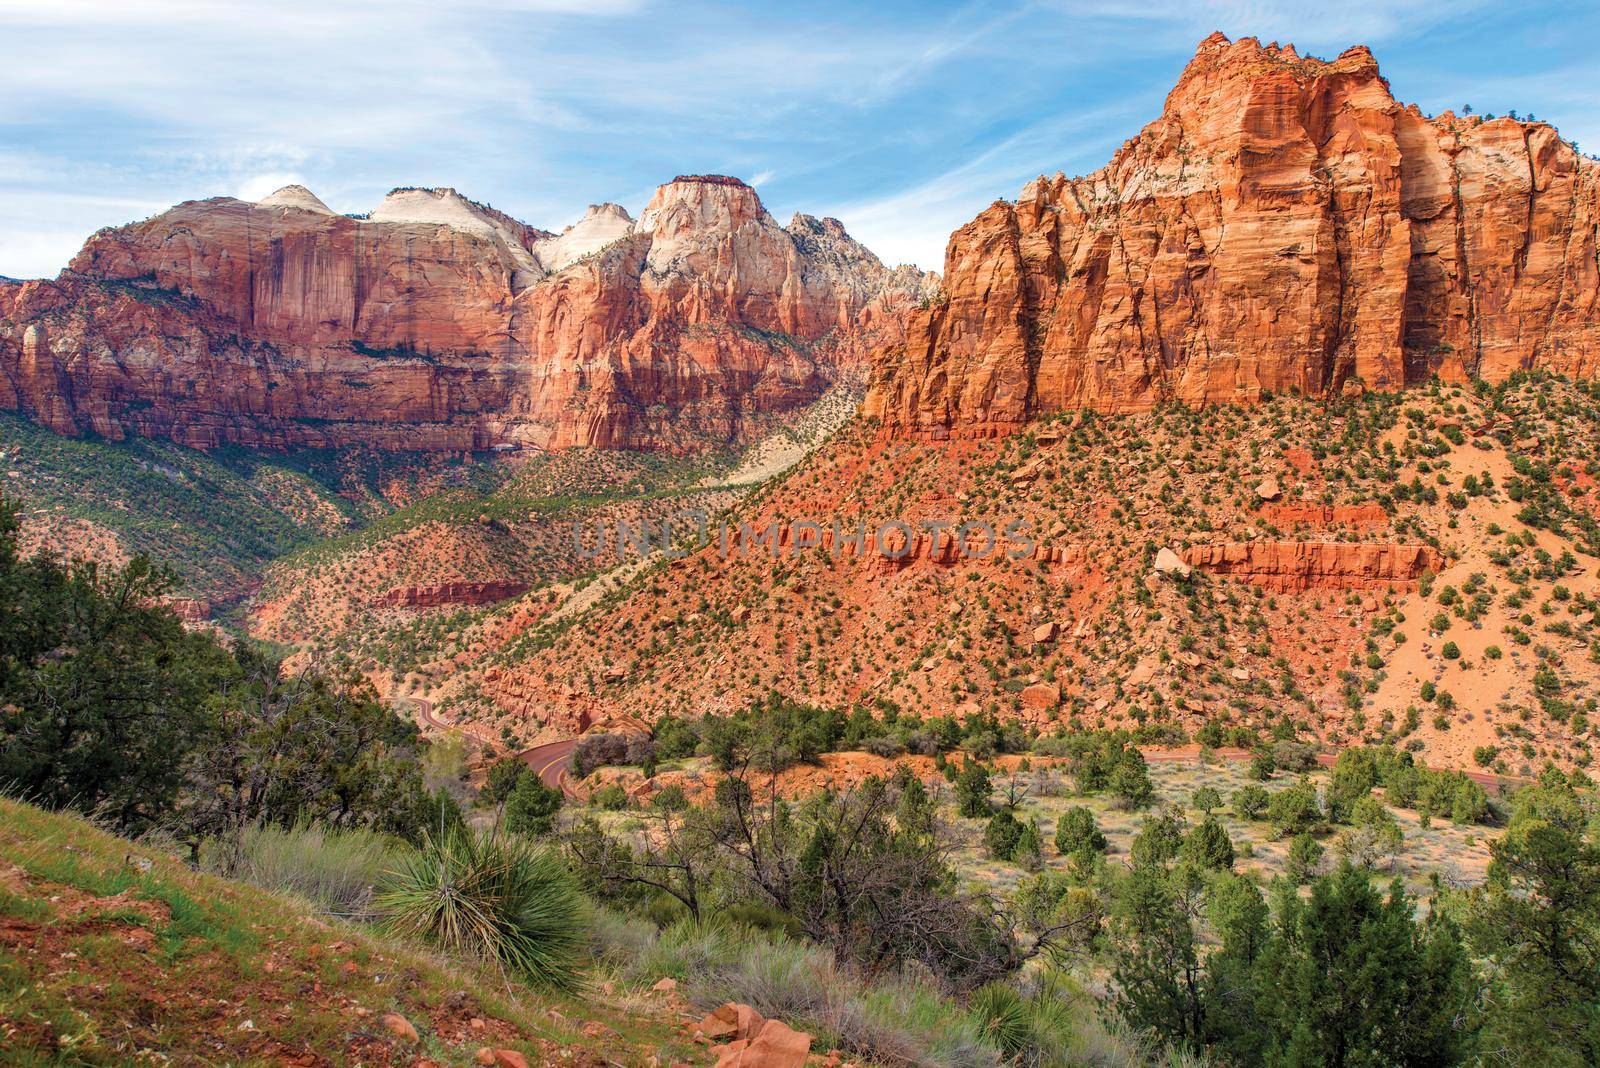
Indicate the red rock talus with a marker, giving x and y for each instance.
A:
(439, 323)
(1285, 224)
(1307, 565)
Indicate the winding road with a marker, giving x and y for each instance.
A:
(549, 761)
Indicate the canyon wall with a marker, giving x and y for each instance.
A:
(435, 322)
(1285, 224)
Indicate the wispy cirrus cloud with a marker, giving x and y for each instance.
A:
(903, 118)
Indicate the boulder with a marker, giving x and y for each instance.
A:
(1042, 696)
(731, 1021)
(776, 1045)
(1170, 563)
(399, 1027)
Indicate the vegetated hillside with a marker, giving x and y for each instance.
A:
(114, 953)
(435, 586)
(1416, 568)
(217, 517)
(460, 549)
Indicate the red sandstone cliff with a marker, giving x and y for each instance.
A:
(1309, 565)
(1284, 224)
(438, 323)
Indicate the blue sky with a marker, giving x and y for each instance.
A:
(902, 119)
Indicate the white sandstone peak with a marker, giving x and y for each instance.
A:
(600, 226)
(295, 196)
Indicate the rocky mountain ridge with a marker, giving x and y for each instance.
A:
(437, 323)
(1285, 224)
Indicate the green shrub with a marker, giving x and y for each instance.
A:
(670, 799)
(1003, 1018)
(1295, 810)
(972, 791)
(1158, 841)
(1130, 781)
(1305, 853)
(1209, 846)
(611, 797)
(532, 806)
(1001, 836)
(494, 898)
(1249, 802)
(1077, 831)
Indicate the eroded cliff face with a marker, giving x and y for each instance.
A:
(1285, 224)
(439, 323)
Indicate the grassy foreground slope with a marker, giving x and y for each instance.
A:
(112, 953)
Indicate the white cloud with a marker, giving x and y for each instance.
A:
(914, 225)
(263, 185)
(41, 231)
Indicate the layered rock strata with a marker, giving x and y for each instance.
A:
(438, 323)
(1285, 224)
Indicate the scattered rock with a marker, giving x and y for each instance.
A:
(1045, 696)
(1170, 563)
(731, 1021)
(400, 1027)
(776, 1045)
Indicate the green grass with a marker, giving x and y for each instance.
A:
(113, 953)
(336, 872)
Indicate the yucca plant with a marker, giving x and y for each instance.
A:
(494, 898)
(1004, 1017)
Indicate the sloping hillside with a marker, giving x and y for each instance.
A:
(1362, 569)
(114, 954)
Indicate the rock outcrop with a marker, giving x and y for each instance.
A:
(749, 1040)
(439, 323)
(1295, 566)
(467, 593)
(1285, 224)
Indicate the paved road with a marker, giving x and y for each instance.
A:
(424, 709)
(550, 762)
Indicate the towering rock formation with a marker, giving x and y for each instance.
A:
(439, 323)
(1285, 224)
